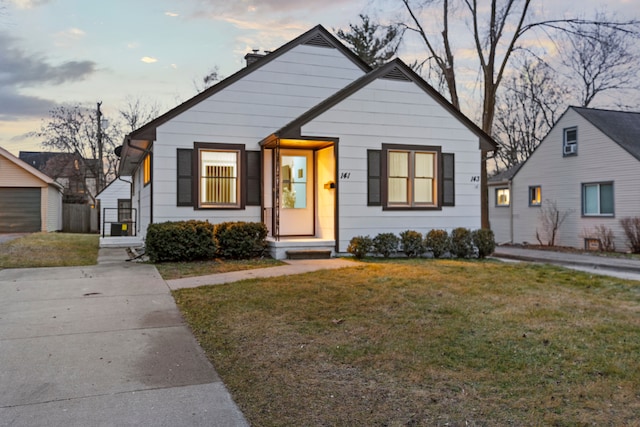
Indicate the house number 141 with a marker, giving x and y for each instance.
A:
(345, 175)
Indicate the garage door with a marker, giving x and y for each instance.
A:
(19, 210)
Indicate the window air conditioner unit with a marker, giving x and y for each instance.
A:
(570, 149)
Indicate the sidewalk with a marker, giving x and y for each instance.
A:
(568, 259)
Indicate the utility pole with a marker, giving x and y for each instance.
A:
(100, 164)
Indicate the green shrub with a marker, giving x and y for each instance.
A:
(412, 244)
(461, 243)
(484, 241)
(386, 244)
(241, 240)
(438, 242)
(180, 241)
(360, 246)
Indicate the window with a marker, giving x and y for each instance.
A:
(597, 199)
(146, 169)
(411, 178)
(570, 142)
(219, 172)
(218, 176)
(502, 197)
(535, 196)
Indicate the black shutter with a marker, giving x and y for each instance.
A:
(374, 197)
(185, 177)
(448, 180)
(254, 172)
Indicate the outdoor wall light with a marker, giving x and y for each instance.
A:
(330, 185)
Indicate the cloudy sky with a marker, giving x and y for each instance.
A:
(81, 51)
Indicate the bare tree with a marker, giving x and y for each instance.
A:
(211, 78)
(496, 31)
(551, 218)
(136, 113)
(74, 129)
(374, 43)
(599, 58)
(527, 106)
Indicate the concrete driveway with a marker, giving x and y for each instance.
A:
(103, 345)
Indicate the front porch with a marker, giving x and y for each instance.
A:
(301, 247)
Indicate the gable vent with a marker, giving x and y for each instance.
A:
(319, 40)
(396, 74)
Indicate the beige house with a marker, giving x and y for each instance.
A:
(30, 201)
(585, 171)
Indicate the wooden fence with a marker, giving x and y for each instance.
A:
(79, 218)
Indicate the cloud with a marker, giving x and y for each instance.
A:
(68, 37)
(21, 69)
(172, 14)
(148, 59)
(28, 4)
(14, 105)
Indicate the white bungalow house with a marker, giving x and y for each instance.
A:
(314, 143)
(115, 212)
(30, 201)
(587, 167)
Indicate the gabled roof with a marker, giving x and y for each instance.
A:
(317, 36)
(623, 127)
(395, 70)
(28, 168)
(505, 176)
(59, 164)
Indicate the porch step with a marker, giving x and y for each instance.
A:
(308, 254)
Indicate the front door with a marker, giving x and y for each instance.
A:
(297, 208)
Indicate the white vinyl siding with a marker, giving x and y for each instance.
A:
(600, 160)
(397, 112)
(120, 188)
(245, 112)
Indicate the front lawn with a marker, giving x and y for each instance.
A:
(50, 250)
(424, 342)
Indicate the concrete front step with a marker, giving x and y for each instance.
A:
(308, 254)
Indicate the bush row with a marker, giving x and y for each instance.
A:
(196, 240)
(462, 243)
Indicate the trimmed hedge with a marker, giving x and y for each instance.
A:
(386, 244)
(180, 241)
(360, 246)
(412, 244)
(438, 242)
(461, 243)
(241, 240)
(485, 241)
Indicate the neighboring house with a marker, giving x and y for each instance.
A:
(114, 203)
(30, 201)
(317, 145)
(587, 166)
(76, 174)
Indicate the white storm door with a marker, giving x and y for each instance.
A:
(297, 214)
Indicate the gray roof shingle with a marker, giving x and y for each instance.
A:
(621, 126)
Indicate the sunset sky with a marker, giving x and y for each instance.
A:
(80, 51)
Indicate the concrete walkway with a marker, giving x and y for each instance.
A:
(292, 267)
(568, 259)
(102, 345)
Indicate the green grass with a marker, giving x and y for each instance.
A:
(50, 250)
(423, 342)
(178, 270)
